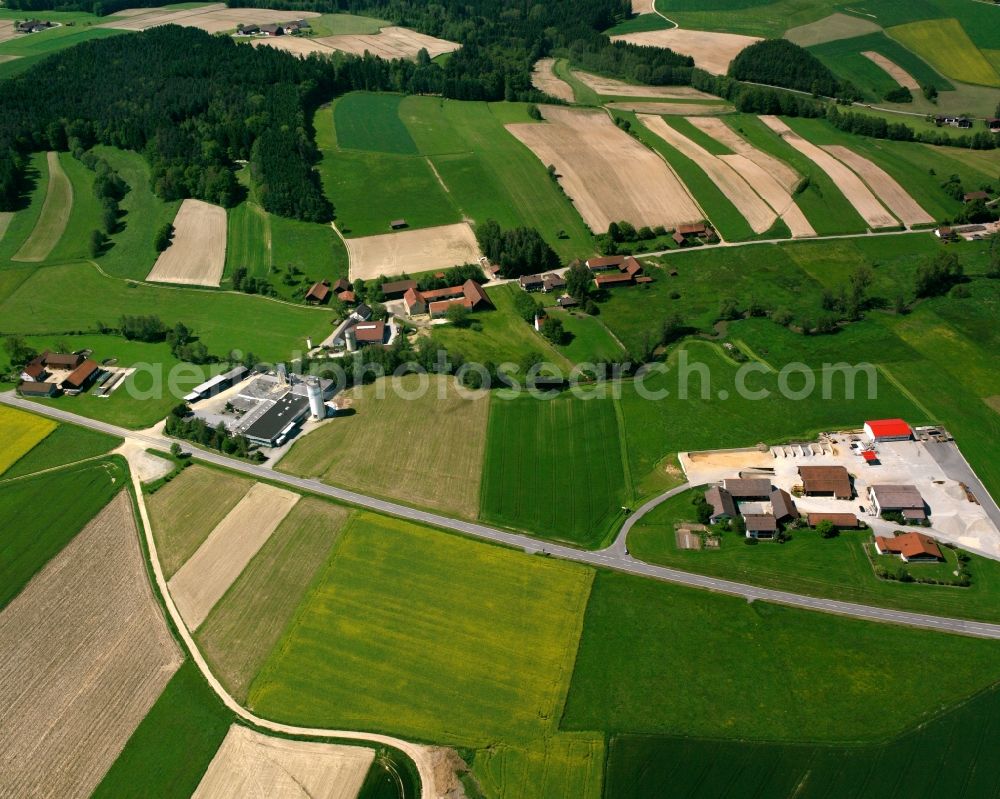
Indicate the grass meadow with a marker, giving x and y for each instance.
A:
(718, 667)
(29, 50)
(84, 217)
(248, 621)
(943, 757)
(66, 444)
(53, 217)
(50, 510)
(340, 24)
(20, 432)
(393, 636)
(589, 340)
(248, 240)
(23, 222)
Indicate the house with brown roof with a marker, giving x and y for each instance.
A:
(613, 279)
(414, 302)
(437, 302)
(551, 282)
(34, 372)
(81, 377)
(911, 548)
(531, 282)
(319, 292)
(826, 481)
(340, 284)
(37, 388)
(566, 301)
(723, 505)
(751, 489)
(367, 333)
(394, 290)
(841, 521)
(605, 263)
(61, 360)
(616, 271)
(760, 525)
(783, 506)
(903, 499)
(348, 297)
(972, 196)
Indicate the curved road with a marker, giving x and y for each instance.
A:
(614, 557)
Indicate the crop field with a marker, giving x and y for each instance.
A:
(563, 766)
(554, 467)
(197, 254)
(251, 764)
(757, 671)
(334, 24)
(65, 444)
(711, 51)
(945, 45)
(808, 564)
(213, 568)
(544, 78)
(211, 18)
(423, 448)
(53, 217)
(170, 750)
(412, 251)
(185, 511)
(610, 87)
(943, 757)
(248, 621)
(836, 27)
(20, 432)
(391, 42)
(608, 174)
(63, 727)
(391, 636)
(223, 322)
(248, 240)
(62, 503)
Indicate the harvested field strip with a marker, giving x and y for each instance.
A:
(406, 624)
(251, 764)
(854, 190)
(712, 52)
(722, 133)
(202, 580)
(197, 255)
(53, 218)
(20, 432)
(610, 87)
(544, 78)
(442, 473)
(609, 175)
(389, 43)
(84, 653)
(774, 194)
(884, 185)
(413, 251)
(757, 213)
(894, 71)
(188, 508)
(248, 621)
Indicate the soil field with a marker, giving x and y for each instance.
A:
(188, 508)
(389, 43)
(247, 622)
(84, 653)
(427, 451)
(53, 218)
(413, 251)
(897, 73)
(20, 432)
(215, 18)
(669, 109)
(609, 175)
(831, 28)
(774, 194)
(884, 185)
(729, 138)
(609, 87)
(202, 580)
(6, 30)
(712, 52)
(251, 764)
(857, 193)
(642, 6)
(197, 256)
(757, 213)
(544, 78)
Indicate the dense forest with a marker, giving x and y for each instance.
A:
(779, 62)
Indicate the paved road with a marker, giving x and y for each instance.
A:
(614, 557)
(953, 462)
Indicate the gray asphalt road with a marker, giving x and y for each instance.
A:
(614, 557)
(955, 466)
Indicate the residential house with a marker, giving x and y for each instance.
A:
(34, 372)
(911, 548)
(437, 302)
(723, 505)
(902, 499)
(826, 481)
(566, 301)
(551, 282)
(395, 290)
(531, 282)
(366, 333)
(606, 263)
(749, 489)
(760, 525)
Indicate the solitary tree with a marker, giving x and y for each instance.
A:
(826, 529)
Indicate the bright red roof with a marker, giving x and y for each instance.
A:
(869, 456)
(889, 428)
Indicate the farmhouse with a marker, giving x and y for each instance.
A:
(367, 333)
(566, 301)
(782, 506)
(841, 521)
(749, 489)
(396, 289)
(911, 548)
(531, 282)
(273, 426)
(37, 389)
(318, 292)
(903, 499)
(272, 30)
(216, 384)
(944, 233)
(606, 263)
(614, 279)
(629, 271)
(723, 505)
(81, 377)
(340, 285)
(826, 481)
(683, 234)
(347, 297)
(34, 372)
(888, 430)
(33, 26)
(60, 360)
(362, 313)
(437, 302)
(551, 282)
(973, 196)
(954, 122)
(760, 525)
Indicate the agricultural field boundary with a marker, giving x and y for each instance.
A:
(54, 217)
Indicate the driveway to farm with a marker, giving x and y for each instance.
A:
(614, 557)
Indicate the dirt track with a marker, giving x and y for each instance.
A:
(895, 197)
(712, 52)
(249, 764)
(84, 654)
(896, 72)
(197, 255)
(856, 192)
(728, 137)
(202, 581)
(544, 78)
(413, 251)
(609, 87)
(758, 214)
(609, 176)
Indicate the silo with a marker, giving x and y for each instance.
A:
(315, 392)
(351, 339)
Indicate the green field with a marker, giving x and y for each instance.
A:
(946, 46)
(20, 432)
(430, 636)
(248, 621)
(20, 226)
(339, 24)
(717, 667)
(53, 217)
(316, 250)
(371, 122)
(248, 240)
(944, 757)
(85, 215)
(589, 340)
(31, 49)
(50, 510)
(564, 766)
(554, 467)
(65, 444)
(170, 750)
(808, 564)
